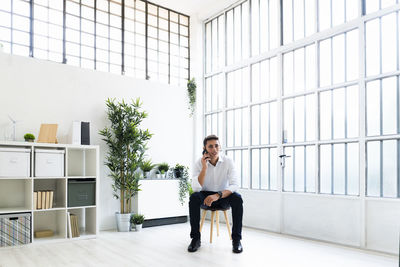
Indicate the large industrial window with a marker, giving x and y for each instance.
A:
(305, 94)
(129, 37)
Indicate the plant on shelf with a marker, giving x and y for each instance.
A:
(29, 137)
(182, 174)
(146, 166)
(126, 148)
(137, 220)
(163, 168)
(191, 91)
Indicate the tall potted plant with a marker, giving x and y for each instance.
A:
(127, 146)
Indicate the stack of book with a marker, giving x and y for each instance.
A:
(73, 225)
(43, 199)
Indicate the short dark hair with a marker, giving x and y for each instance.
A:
(210, 137)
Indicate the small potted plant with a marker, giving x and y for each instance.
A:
(137, 221)
(163, 168)
(29, 137)
(182, 174)
(146, 167)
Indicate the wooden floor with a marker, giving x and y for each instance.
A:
(166, 246)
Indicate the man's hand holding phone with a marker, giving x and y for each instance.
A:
(205, 158)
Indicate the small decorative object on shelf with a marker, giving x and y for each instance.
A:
(29, 137)
(146, 167)
(191, 90)
(137, 221)
(163, 169)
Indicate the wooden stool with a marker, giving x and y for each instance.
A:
(215, 214)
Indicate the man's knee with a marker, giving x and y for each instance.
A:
(236, 199)
(195, 198)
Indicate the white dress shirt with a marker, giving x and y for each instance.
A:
(222, 176)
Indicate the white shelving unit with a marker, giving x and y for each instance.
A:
(16, 193)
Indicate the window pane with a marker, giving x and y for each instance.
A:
(264, 124)
(288, 170)
(389, 43)
(325, 115)
(299, 119)
(353, 177)
(255, 28)
(352, 55)
(288, 73)
(238, 163)
(238, 127)
(310, 67)
(288, 120)
(338, 12)
(310, 117)
(310, 168)
(373, 168)
(389, 168)
(372, 47)
(339, 174)
(255, 169)
(325, 62)
(229, 130)
(389, 105)
(352, 107)
(299, 83)
(338, 46)
(325, 169)
(299, 169)
(273, 126)
(298, 19)
(324, 14)
(310, 17)
(373, 108)
(273, 179)
(264, 168)
(339, 113)
(246, 171)
(287, 21)
(255, 81)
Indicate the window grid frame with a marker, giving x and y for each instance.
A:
(31, 48)
(360, 82)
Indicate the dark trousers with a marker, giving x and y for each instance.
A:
(234, 201)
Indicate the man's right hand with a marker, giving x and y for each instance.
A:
(204, 160)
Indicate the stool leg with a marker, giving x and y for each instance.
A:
(203, 217)
(217, 221)
(212, 225)
(228, 225)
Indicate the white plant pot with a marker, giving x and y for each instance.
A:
(138, 227)
(123, 221)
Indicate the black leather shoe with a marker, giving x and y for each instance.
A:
(237, 246)
(194, 245)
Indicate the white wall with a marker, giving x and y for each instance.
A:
(36, 91)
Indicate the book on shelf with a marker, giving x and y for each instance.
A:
(51, 199)
(74, 225)
(43, 200)
(35, 198)
(39, 200)
(47, 199)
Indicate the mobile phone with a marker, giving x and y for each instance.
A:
(204, 151)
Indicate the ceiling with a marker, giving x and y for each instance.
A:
(200, 8)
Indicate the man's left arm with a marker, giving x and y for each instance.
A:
(232, 179)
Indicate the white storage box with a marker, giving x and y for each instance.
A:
(15, 162)
(49, 163)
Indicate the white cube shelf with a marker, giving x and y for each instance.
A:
(28, 167)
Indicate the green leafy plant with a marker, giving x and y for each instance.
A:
(191, 91)
(137, 218)
(126, 148)
(147, 165)
(182, 174)
(29, 137)
(163, 167)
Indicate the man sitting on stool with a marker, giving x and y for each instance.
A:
(214, 183)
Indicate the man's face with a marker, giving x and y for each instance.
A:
(212, 148)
